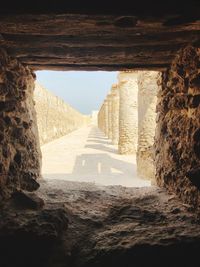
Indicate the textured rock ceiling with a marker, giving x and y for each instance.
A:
(64, 35)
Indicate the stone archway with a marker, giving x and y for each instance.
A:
(101, 227)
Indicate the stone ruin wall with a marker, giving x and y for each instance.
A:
(19, 143)
(55, 118)
(128, 112)
(102, 118)
(178, 127)
(148, 84)
(115, 114)
(132, 117)
(177, 139)
(108, 115)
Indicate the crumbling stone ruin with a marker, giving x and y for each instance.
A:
(70, 224)
(19, 147)
(55, 118)
(128, 112)
(177, 134)
(130, 121)
(148, 86)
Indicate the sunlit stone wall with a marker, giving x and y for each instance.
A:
(55, 117)
(128, 113)
(110, 121)
(115, 114)
(147, 98)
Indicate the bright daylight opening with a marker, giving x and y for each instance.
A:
(97, 127)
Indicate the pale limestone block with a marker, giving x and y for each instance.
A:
(115, 114)
(128, 115)
(147, 98)
(55, 117)
(109, 99)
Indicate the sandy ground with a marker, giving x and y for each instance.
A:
(86, 155)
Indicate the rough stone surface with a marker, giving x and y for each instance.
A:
(68, 35)
(55, 117)
(128, 112)
(115, 114)
(178, 127)
(110, 121)
(19, 142)
(85, 225)
(106, 117)
(30, 237)
(101, 118)
(147, 100)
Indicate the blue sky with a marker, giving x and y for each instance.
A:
(83, 90)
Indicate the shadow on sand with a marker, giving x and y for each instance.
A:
(100, 167)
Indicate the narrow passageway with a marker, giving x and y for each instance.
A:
(86, 155)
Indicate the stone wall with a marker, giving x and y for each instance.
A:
(19, 143)
(133, 117)
(147, 98)
(128, 112)
(108, 115)
(178, 127)
(55, 117)
(115, 114)
(110, 121)
(102, 118)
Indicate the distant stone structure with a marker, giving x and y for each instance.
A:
(109, 99)
(55, 118)
(128, 112)
(147, 99)
(108, 115)
(128, 117)
(94, 116)
(115, 114)
(103, 118)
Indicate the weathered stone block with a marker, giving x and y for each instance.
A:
(17, 106)
(128, 114)
(55, 118)
(148, 84)
(178, 150)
